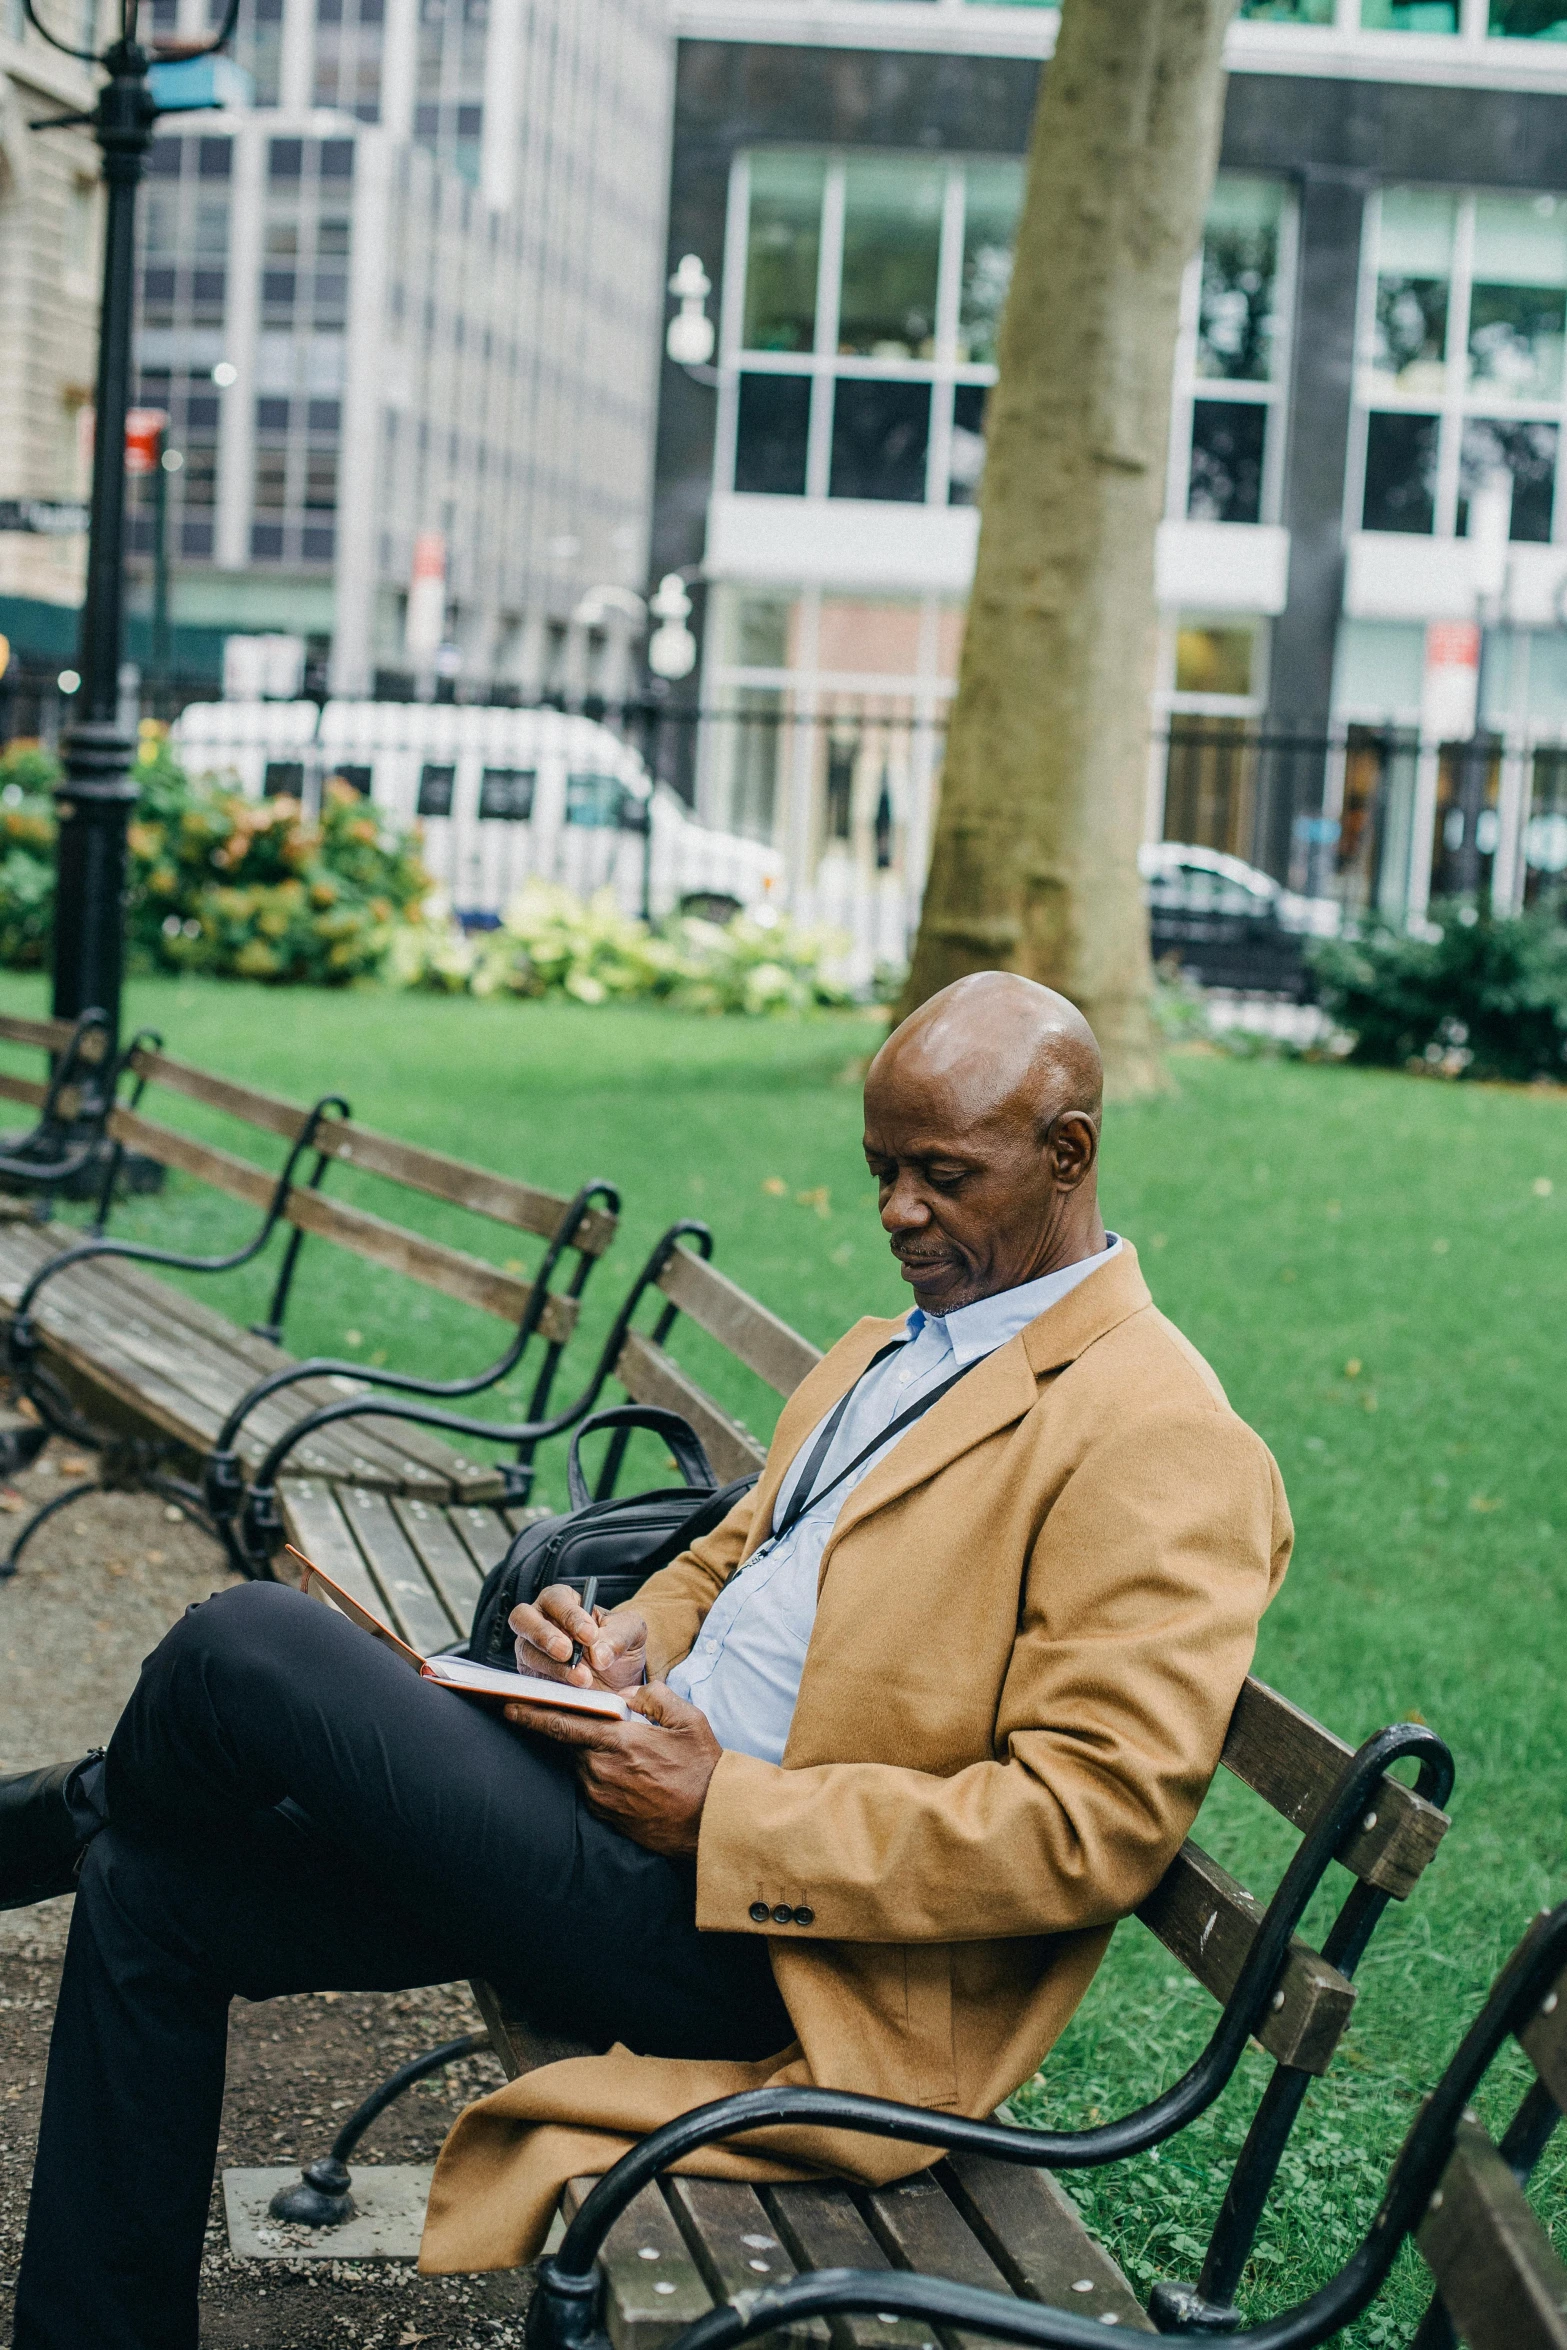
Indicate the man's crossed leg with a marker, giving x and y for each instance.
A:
(291, 1809)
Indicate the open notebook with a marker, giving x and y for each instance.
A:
(456, 1672)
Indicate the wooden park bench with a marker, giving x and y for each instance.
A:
(982, 2221)
(422, 1563)
(976, 2256)
(684, 2245)
(121, 1361)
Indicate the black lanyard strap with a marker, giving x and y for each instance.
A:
(805, 1496)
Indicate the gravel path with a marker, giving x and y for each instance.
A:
(94, 1594)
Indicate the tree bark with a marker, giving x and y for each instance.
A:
(1034, 863)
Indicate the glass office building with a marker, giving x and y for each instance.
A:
(1373, 327)
(412, 295)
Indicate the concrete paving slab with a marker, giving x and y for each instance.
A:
(390, 2196)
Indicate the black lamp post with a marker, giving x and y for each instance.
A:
(97, 793)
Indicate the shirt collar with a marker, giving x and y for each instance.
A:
(976, 1330)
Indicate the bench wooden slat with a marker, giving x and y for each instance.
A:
(22, 1089)
(637, 2314)
(349, 1448)
(451, 1270)
(650, 1376)
(1206, 1920)
(414, 1607)
(923, 2229)
(1037, 2237)
(172, 1382)
(412, 1454)
(443, 1557)
(1293, 1763)
(50, 1036)
(736, 2246)
(485, 1532)
(316, 1526)
(719, 1306)
(1504, 2286)
(523, 1205)
(822, 2227)
(1544, 2040)
(520, 2045)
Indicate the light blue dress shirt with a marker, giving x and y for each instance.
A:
(744, 1672)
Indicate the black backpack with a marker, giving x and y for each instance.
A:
(621, 1541)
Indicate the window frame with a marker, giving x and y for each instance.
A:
(1458, 402)
(823, 365)
(1189, 387)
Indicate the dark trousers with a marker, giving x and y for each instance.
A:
(291, 1809)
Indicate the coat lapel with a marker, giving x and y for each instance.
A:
(996, 1392)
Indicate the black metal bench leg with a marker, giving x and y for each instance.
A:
(322, 2198)
(50, 1509)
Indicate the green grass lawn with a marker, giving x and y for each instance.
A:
(1377, 1268)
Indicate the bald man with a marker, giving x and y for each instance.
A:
(933, 1706)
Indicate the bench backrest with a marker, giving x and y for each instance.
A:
(688, 1284)
(522, 1207)
(1500, 2281)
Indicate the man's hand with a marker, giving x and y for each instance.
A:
(648, 1776)
(614, 1647)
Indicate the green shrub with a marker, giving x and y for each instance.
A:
(1477, 996)
(220, 883)
(553, 944)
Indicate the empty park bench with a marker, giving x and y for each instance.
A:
(420, 1563)
(682, 2245)
(126, 1363)
(1501, 2285)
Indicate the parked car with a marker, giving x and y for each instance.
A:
(1227, 924)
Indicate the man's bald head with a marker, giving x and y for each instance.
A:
(982, 1129)
(998, 1038)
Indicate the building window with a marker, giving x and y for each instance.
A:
(1463, 321)
(449, 100)
(1529, 20)
(831, 710)
(1231, 366)
(1409, 16)
(862, 303)
(1288, 11)
(349, 39)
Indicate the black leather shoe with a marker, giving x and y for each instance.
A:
(40, 1841)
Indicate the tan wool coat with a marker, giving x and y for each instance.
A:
(1034, 1617)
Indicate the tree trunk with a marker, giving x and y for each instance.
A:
(1034, 864)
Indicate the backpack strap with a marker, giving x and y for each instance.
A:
(681, 1438)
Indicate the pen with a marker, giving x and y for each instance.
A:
(590, 1592)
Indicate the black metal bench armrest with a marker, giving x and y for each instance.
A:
(251, 1525)
(22, 1338)
(566, 2304)
(91, 1031)
(1085, 2149)
(406, 1382)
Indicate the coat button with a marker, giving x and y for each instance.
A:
(805, 1917)
(760, 1913)
(783, 1915)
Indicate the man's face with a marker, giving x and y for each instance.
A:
(971, 1193)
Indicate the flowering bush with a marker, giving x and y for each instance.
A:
(26, 855)
(219, 883)
(551, 943)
